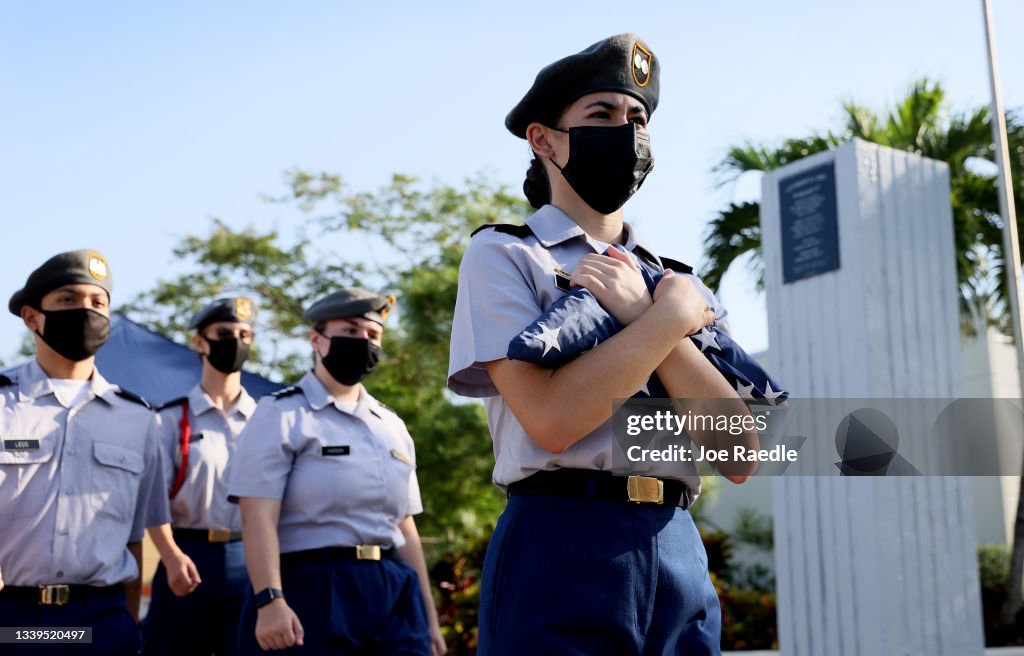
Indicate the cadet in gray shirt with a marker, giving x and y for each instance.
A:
(326, 479)
(585, 559)
(200, 438)
(80, 469)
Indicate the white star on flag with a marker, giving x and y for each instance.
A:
(549, 338)
(769, 394)
(745, 391)
(644, 388)
(707, 340)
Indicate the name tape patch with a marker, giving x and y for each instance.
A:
(334, 450)
(21, 445)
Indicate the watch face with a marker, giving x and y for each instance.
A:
(267, 595)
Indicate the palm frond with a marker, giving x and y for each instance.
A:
(735, 232)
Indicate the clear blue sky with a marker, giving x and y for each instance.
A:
(129, 125)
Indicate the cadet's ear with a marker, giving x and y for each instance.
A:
(198, 343)
(540, 141)
(32, 317)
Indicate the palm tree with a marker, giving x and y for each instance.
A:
(919, 123)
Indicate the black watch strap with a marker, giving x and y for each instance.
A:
(267, 595)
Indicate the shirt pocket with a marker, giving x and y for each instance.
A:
(117, 471)
(23, 488)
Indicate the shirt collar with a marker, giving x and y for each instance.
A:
(199, 402)
(101, 387)
(552, 226)
(319, 398)
(246, 405)
(639, 247)
(33, 383)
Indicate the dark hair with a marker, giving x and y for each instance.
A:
(320, 326)
(537, 186)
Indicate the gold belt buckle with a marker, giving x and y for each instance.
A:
(644, 489)
(54, 595)
(367, 552)
(218, 535)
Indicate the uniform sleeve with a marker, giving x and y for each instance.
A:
(415, 501)
(152, 508)
(495, 302)
(168, 444)
(263, 460)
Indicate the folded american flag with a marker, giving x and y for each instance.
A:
(576, 323)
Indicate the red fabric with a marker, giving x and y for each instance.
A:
(185, 436)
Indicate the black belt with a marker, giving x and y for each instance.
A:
(208, 534)
(58, 595)
(361, 552)
(594, 484)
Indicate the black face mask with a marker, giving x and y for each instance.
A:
(227, 355)
(75, 334)
(350, 359)
(607, 165)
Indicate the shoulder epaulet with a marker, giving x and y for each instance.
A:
(133, 397)
(666, 262)
(172, 403)
(386, 407)
(676, 265)
(291, 390)
(5, 381)
(522, 230)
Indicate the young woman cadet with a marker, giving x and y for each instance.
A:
(326, 480)
(200, 437)
(583, 561)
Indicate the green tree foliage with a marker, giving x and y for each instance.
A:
(919, 123)
(424, 231)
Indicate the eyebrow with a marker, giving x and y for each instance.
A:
(604, 104)
(79, 293)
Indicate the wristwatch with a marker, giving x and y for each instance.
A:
(267, 595)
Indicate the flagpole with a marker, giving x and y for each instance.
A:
(1011, 257)
(1011, 245)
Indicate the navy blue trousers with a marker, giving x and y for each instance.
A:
(589, 577)
(114, 632)
(349, 607)
(205, 621)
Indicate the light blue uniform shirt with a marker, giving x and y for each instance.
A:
(202, 501)
(505, 283)
(343, 478)
(76, 484)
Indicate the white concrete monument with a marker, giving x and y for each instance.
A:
(861, 290)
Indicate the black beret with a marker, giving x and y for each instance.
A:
(72, 268)
(350, 302)
(619, 63)
(239, 309)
